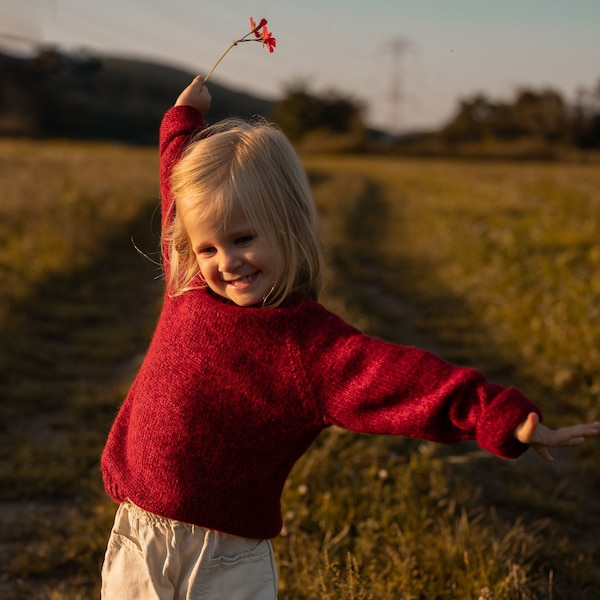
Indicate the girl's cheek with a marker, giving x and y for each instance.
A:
(202, 269)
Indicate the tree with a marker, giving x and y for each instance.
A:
(300, 112)
(541, 114)
(586, 118)
(471, 120)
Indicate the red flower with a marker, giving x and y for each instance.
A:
(268, 40)
(261, 34)
(256, 28)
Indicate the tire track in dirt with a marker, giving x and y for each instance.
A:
(78, 340)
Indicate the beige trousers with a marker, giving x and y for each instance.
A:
(152, 558)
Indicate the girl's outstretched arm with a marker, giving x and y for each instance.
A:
(540, 437)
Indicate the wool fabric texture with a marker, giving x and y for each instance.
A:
(228, 398)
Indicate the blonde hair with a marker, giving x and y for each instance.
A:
(253, 164)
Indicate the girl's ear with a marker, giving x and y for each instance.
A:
(182, 247)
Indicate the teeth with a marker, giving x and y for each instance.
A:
(241, 280)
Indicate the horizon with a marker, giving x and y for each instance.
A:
(410, 64)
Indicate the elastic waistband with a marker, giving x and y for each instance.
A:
(140, 513)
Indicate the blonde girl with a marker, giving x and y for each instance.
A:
(246, 368)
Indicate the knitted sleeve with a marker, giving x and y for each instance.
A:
(371, 386)
(177, 128)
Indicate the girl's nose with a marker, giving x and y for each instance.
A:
(229, 262)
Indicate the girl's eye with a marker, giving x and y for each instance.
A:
(244, 240)
(206, 251)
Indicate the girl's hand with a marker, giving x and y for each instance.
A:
(540, 437)
(195, 95)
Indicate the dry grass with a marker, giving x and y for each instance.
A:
(74, 328)
(491, 265)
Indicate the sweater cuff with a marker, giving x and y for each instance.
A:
(495, 430)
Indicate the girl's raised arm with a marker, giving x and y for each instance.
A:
(177, 128)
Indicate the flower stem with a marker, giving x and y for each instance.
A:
(220, 59)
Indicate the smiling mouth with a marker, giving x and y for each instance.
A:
(241, 281)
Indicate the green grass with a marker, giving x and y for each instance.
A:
(415, 256)
(507, 255)
(491, 265)
(74, 328)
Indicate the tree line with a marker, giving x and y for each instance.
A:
(82, 96)
(62, 95)
(543, 115)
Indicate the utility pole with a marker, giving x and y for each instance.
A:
(397, 46)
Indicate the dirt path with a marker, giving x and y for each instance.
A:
(564, 494)
(76, 344)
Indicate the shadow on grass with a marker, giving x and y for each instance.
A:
(77, 326)
(73, 345)
(403, 302)
(401, 297)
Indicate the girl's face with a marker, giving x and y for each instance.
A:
(234, 261)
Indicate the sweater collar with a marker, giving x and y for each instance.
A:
(293, 300)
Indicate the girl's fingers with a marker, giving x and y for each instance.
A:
(543, 452)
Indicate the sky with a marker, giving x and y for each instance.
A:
(408, 62)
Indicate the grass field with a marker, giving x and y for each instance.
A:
(488, 264)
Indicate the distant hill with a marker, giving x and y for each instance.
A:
(58, 95)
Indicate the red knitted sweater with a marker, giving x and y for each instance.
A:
(228, 398)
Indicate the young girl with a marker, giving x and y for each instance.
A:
(245, 369)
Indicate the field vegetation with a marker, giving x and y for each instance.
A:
(493, 265)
